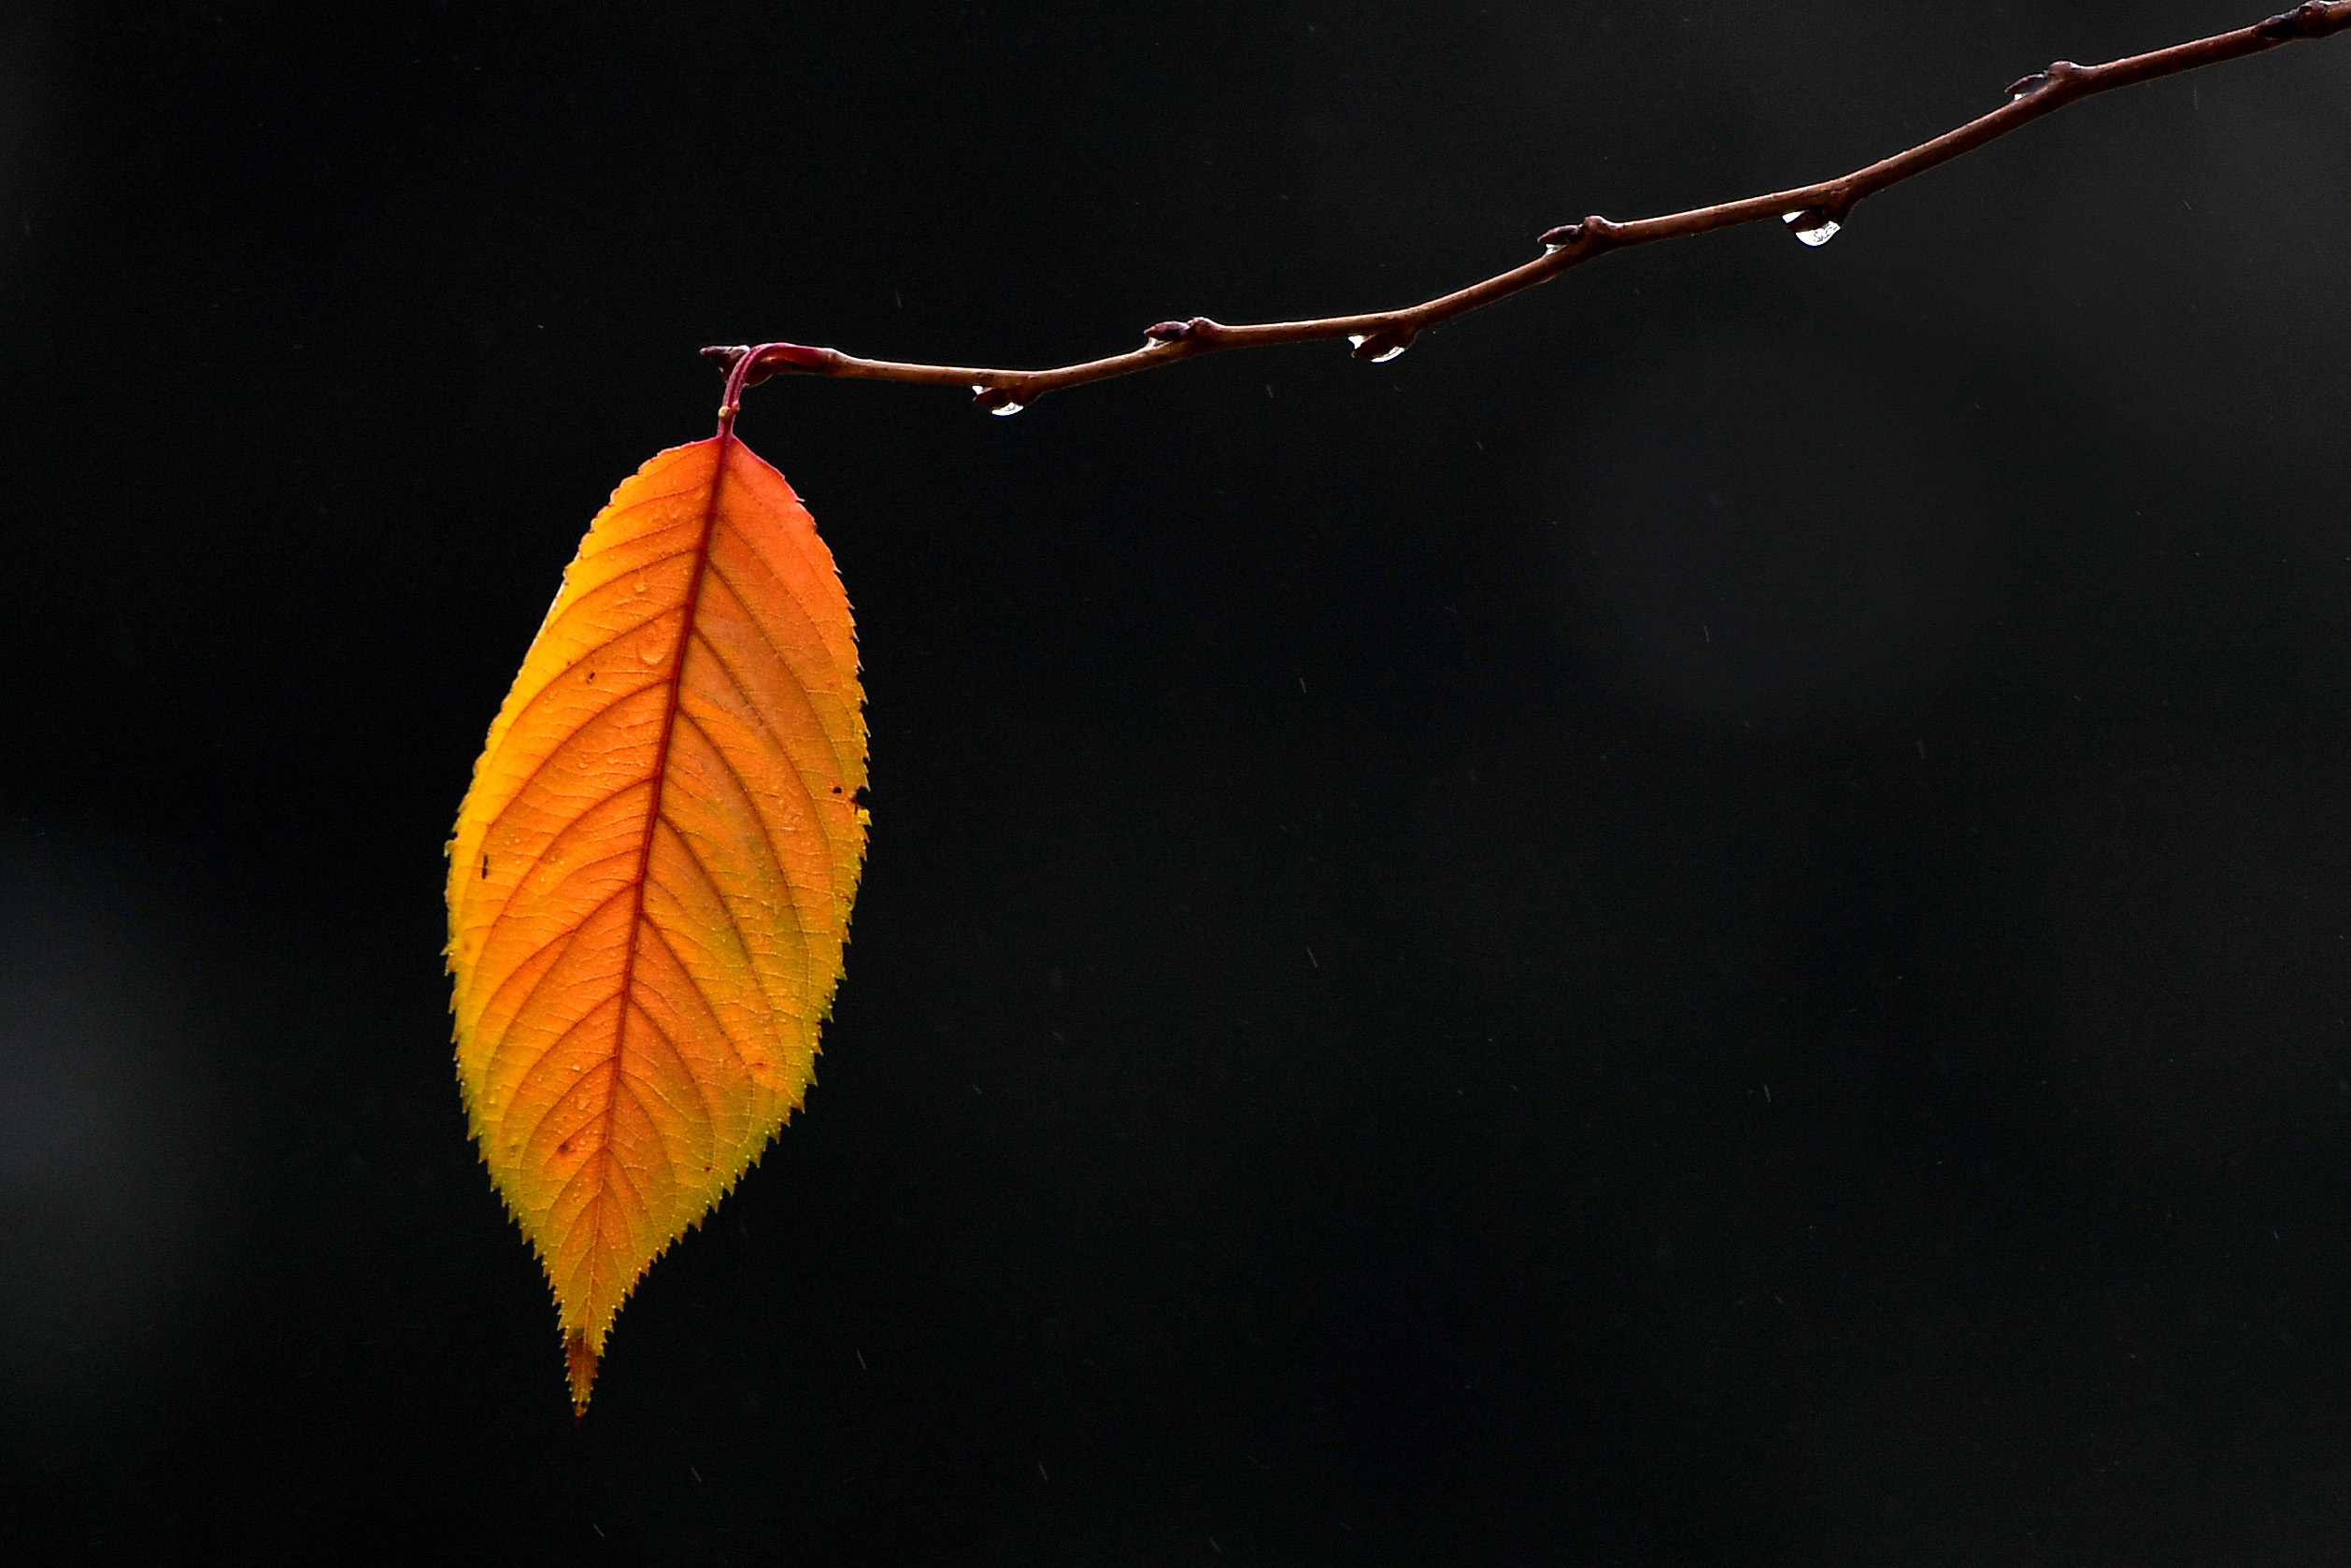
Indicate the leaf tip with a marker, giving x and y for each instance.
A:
(581, 1357)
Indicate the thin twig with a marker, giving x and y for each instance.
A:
(1813, 211)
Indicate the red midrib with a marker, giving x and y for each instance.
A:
(725, 439)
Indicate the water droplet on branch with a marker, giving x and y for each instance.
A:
(1814, 227)
(1356, 340)
(1003, 410)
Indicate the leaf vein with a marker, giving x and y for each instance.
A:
(491, 928)
(498, 1047)
(775, 856)
(676, 958)
(840, 763)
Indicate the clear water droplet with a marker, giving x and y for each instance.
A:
(651, 653)
(1355, 340)
(1553, 250)
(1008, 410)
(640, 582)
(1818, 233)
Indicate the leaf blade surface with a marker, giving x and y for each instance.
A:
(651, 877)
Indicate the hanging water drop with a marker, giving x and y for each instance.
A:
(1813, 227)
(2059, 70)
(1356, 340)
(1003, 410)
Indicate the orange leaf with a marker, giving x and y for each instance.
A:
(650, 880)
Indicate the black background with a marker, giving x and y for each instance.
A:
(1705, 923)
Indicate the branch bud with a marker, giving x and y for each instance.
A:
(769, 359)
(777, 359)
(2306, 21)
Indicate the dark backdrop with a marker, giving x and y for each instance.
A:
(1703, 923)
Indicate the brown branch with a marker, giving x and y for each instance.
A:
(1813, 211)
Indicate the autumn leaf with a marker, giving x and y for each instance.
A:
(650, 879)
